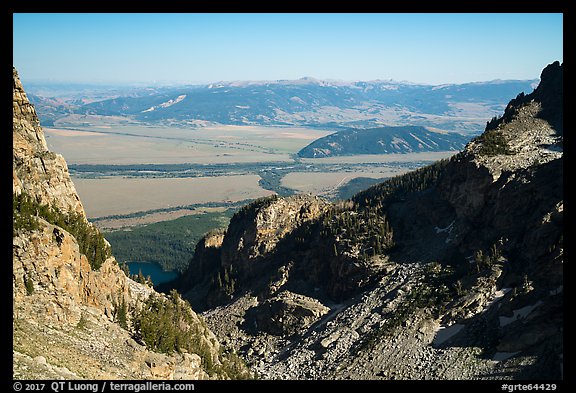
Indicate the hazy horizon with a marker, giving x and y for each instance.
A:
(47, 82)
(199, 49)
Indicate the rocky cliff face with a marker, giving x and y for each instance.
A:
(258, 228)
(453, 271)
(49, 259)
(73, 318)
(245, 256)
(37, 171)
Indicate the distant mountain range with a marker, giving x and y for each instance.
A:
(305, 102)
(383, 140)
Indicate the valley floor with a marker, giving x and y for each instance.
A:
(121, 168)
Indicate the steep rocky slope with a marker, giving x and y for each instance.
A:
(75, 313)
(454, 271)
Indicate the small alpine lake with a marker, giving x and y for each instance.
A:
(153, 270)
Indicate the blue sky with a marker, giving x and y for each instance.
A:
(203, 48)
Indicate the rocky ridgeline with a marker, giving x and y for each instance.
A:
(530, 131)
(68, 310)
(454, 271)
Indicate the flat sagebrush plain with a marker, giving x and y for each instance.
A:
(133, 144)
(117, 195)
